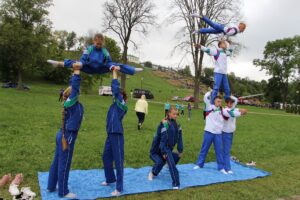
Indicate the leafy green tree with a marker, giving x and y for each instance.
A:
(281, 59)
(71, 40)
(24, 33)
(148, 64)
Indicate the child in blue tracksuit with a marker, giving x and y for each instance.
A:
(168, 135)
(114, 145)
(231, 112)
(220, 70)
(65, 139)
(216, 28)
(212, 132)
(96, 60)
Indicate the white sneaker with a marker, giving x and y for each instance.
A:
(176, 188)
(196, 167)
(196, 15)
(104, 183)
(13, 190)
(166, 166)
(230, 172)
(55, 63)
(70, 196)
(139, 69)
(27, 191)
(115, 193)
(223, 171)
(150, 176)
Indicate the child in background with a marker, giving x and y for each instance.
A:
(96, 60)
(212, 132)
(169, 134)
(182, 109)
(231, 112)
(167, 108)
(114, 144)
(189, 110)
(216, 28)
(65, 139)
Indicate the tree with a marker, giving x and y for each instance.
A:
(281, 60)
(124, 17)
(207, 77)
(71, 40)
(186, 71)
(217, 10)
(24, 33)
(148, 64)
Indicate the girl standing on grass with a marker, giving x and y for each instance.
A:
(114, 144)
(65, 139)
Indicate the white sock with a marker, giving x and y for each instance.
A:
(116, 193)
(176, 188)
(139, 69)
(70, 196)
(150, 176)
(196, 167)
(104, 183)
(54, 63)
(223, 171)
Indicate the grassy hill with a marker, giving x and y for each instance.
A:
(29, 122)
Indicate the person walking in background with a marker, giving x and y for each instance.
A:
(167, 107)
(141, 109)
(182, 109)
(189, 107)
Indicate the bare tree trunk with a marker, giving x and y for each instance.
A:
(20, 82)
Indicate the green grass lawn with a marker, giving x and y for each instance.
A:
(29, 122)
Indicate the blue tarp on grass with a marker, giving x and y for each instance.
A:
(87, 183)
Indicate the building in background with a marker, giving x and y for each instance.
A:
(132, 58)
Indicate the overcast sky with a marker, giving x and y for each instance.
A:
(266, 20)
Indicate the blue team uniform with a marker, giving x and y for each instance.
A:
(114, 145)
(60, 168)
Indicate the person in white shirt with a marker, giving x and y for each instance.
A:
(212, 132)
(141, 109)
(216, 28)
(231, 113)
(220, 55)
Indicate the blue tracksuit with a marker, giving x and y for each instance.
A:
(227, 143)
(98, 61)
(163, 143)
(114, 145)
(220, 80)
(59, 171)
(208, 139)
(217, 28)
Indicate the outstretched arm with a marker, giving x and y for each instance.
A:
(75, 89)
(235, 101)
(209, 51)
(115, 85)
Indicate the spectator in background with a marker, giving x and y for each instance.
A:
(167, 108)
(131, 94)
(61, 93)
(177, 106)
(182, 109)
(141, 109)
(189, 107)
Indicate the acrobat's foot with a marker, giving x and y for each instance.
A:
(139, 69)
(115, 193)
(55, 63)
(70, 196)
